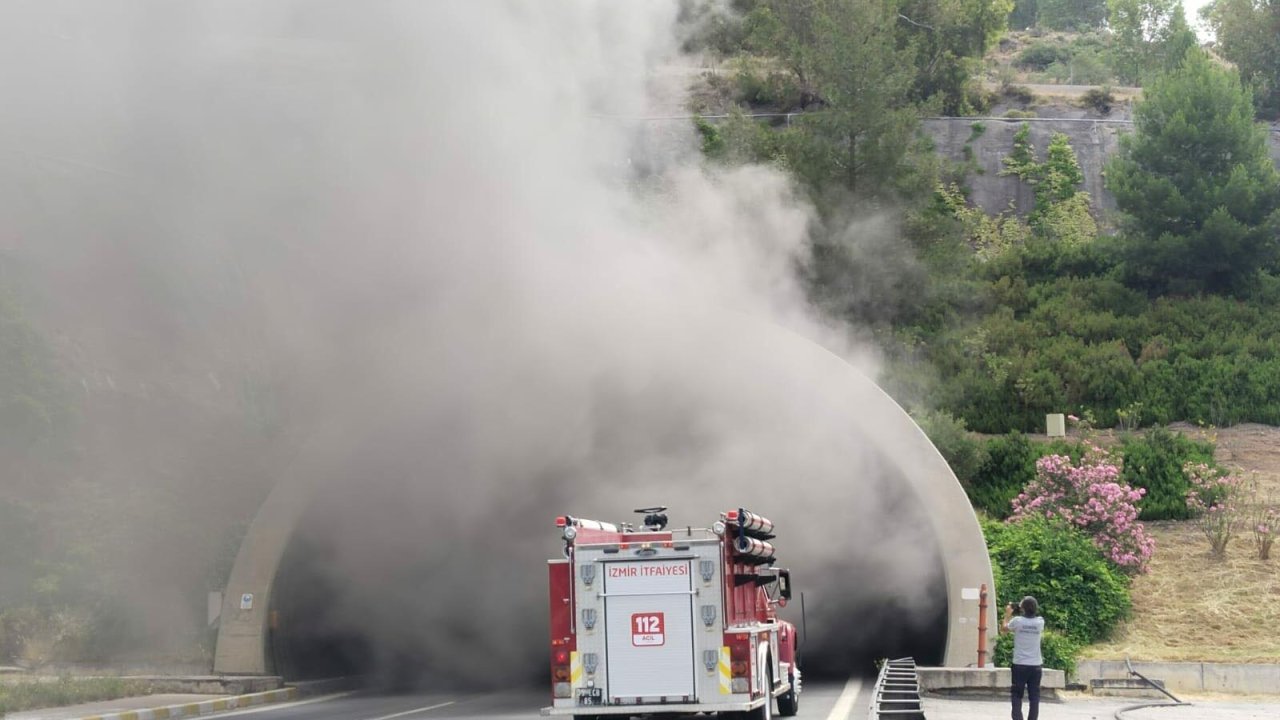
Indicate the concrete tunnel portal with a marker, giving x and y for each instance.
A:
(332, 579)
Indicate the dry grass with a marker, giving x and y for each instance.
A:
(1192, 607)
(27, 694)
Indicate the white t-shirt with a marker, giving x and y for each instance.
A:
(1026, 639)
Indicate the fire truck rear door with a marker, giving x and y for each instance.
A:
(649, 630)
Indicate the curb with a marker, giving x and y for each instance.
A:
(202, 708)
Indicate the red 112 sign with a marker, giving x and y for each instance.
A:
(648, 629)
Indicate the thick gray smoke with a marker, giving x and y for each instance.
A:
(423, 247)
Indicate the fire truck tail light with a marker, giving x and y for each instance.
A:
(560, 673)
(738, 685)
(738, 668)
(561, 656)
(563, 690)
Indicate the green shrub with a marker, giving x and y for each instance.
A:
(1058, 650)
(1010, 464)
(1154, 462)
(1070, 448)
(1099, 99)
(1018, 93)
(1054, 329)
(771, 89)
(964, 454)
(1041, 55)
(1081, 595)
(712, 142)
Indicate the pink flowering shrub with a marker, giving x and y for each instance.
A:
(1263, 519)
(1090, 497)
(1214, 499)
(1265, 524)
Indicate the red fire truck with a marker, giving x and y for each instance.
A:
(656, 620)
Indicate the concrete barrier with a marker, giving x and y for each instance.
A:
(981, 681)
(1190, 676)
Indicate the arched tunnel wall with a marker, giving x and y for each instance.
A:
(486, 556)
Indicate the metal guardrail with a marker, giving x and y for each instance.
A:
(896, 694)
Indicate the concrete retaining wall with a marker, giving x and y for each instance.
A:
(1190, 676)
(1095, 140)
(979, 680)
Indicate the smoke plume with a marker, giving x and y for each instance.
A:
(428, 255)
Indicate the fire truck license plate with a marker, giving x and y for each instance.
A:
(590, 696)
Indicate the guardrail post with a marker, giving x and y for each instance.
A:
(982, 626)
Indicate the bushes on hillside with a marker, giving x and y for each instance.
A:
(1070, 344)
(1041, 55)
(1216, 499)
(1081, 594)
(1154, 462)
(994, 474)
(1008, 465)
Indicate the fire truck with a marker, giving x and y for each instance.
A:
(653, 620)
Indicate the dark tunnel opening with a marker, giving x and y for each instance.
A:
(368, 589)
(303, 642)
(330, 618)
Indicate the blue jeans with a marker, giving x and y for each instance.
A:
(1027, 676)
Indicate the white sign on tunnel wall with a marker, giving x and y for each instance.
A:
(648, 629)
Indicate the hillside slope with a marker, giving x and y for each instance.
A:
(1192, 607)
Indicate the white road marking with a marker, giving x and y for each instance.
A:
(844, 705)
(415, 710)
(281, 706)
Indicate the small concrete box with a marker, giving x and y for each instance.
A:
(1055, 425)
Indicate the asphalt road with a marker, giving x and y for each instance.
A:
(817, 702)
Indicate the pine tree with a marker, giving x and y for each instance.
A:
(1200, 195)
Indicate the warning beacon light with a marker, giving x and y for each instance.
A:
(655, 518)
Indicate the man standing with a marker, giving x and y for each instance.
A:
(1027, 629)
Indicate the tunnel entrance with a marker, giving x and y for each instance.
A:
(366, 589)
(411, 542)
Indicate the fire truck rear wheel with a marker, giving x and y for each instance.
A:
(789, 702)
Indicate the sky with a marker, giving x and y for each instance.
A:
(1192, 8)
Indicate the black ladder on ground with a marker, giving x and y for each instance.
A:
(896, 695)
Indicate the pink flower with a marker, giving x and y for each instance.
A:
(1090, 496)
